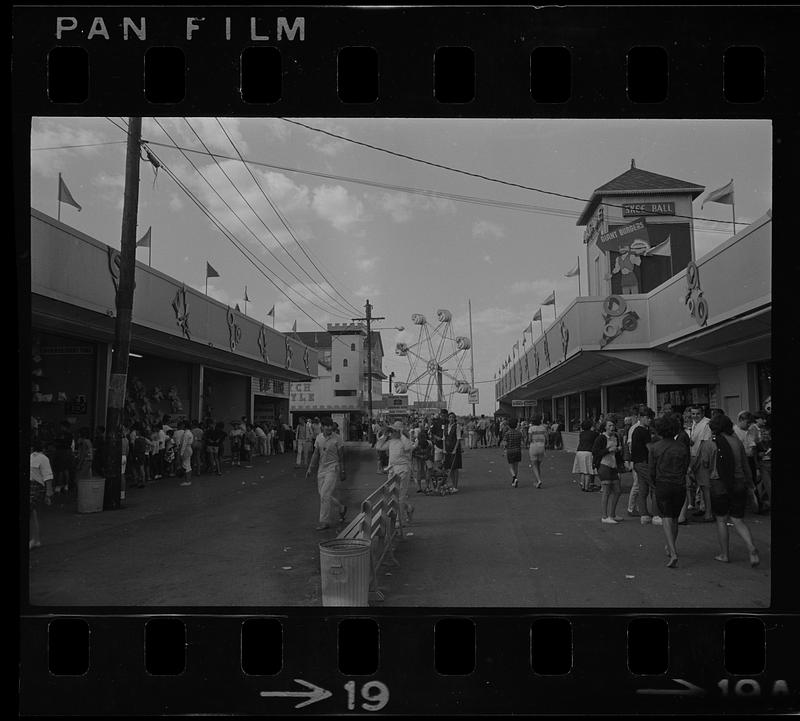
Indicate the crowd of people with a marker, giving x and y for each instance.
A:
(683, 466)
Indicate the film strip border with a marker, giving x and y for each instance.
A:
(402, 664)
(469, 61)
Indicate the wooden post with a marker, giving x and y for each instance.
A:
(124, 315)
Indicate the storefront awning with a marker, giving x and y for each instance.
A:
(584, 371)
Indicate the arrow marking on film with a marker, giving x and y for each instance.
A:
(314, 693)
(689, 690)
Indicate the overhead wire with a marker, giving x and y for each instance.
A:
(81, 145)
(241, 247)
(246, 226)
(468, 173)
(338, 308)
(286, 225)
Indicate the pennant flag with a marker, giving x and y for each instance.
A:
(144, 241)
(294, 327)
(246, 299)
(210, 272)
(662, 249)
(537, 315)
(720, 195)
(271, 312)
(575, 271)
(64, 196)
(550, 300)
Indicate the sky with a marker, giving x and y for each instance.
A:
(405, 252)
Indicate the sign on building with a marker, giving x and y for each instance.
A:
(473, 396)
(636, 209)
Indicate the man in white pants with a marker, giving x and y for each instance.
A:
(304, 442)
(328, 459)
(399, 446)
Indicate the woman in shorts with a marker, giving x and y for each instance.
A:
(669, 461)
(725, 458)
(537, 440)
(512, 440)
(607, 458)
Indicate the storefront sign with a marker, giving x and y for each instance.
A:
(694, 300)
(623, 236)
(473, 396)
(76, 406)
(638, 209)
(617, 318)
(65, 350)
(517, 404)
(301, 393)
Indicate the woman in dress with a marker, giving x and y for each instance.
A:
(452, 449)
(537, 441)
(607, 458)
(583, 456)
(725, 458)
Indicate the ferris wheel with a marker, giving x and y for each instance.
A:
(436, 361)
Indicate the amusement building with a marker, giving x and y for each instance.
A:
(658, 325)
(191, 356)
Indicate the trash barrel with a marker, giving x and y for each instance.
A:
(344, 569)
(90, 495)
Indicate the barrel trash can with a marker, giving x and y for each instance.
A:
(344, 570)
(90, 494)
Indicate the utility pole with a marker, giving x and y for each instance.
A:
(122, 324)
(369, 318)
(391, 375)
(471, 356)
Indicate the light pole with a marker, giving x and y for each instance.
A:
(369, 319)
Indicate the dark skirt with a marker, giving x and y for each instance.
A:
(452, 461)
(514, 456)
(670, 498)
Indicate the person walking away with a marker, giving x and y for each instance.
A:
(725, 458)
(669, 462)
(537, 441)
(699, 433)
(512, 442)
(328, 460)
(452, 449)
(399, 447)
(40, 489)
(422, 460)
(607, 457)
(641, 438)
(583, 455)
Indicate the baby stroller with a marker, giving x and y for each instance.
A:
(439, 481)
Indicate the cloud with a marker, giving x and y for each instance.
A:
(487, 229)
(50, 133)
(401, 207)
(335, 205)
(325, 144)
(367, 291)
(175, 203)
(111, 188)
(487, 258)
(207, 128)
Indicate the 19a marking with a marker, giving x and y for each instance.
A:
(375, 693)
(750, 688)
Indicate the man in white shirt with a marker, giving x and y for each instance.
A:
(304, 441)
(399, 446)
(262, 440)
(41, 478)
(328, 459)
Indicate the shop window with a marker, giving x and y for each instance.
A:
(680, 397)
(344, 363)
(620, 398)
(345, 393)
(574, 412)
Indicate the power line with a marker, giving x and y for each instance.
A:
(82, 145)
(233, 239)
(286, 225)
(246, 226)
(269, 230)
(480, 176)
